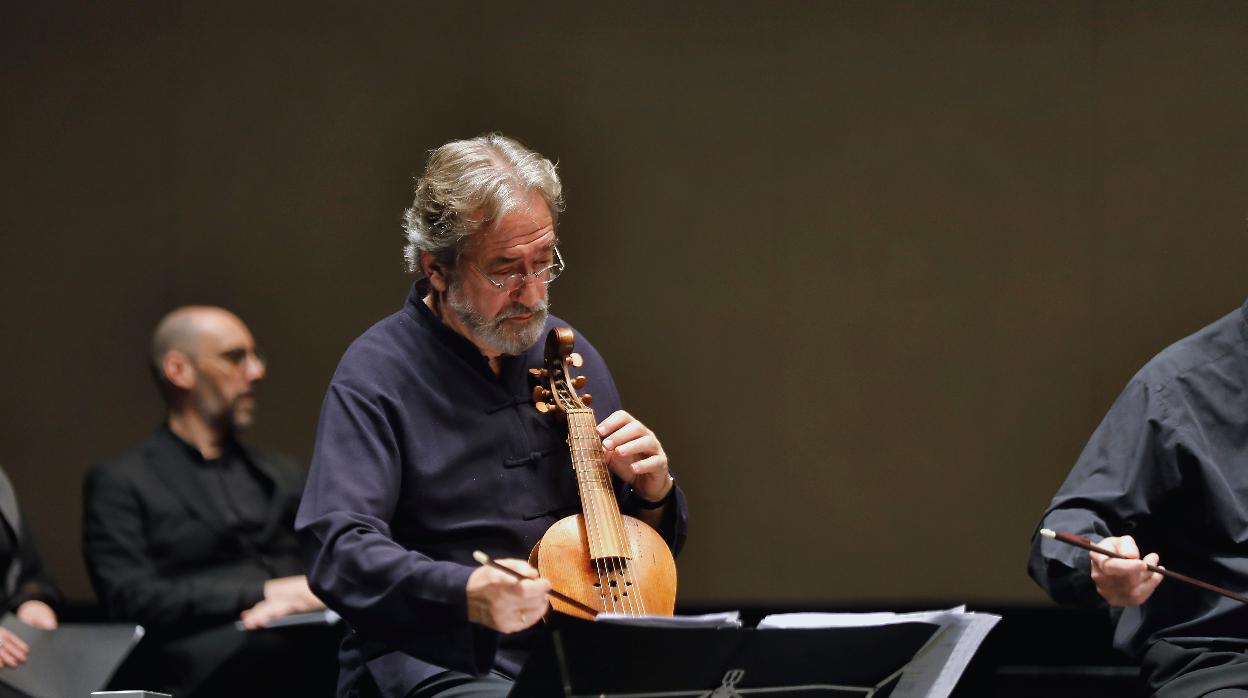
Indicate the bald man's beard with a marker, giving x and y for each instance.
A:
(230, 416)
(504, 337)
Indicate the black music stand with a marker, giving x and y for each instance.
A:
(579, 659)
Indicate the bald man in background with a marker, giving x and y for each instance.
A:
(192, 531)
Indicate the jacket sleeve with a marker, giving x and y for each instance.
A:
(674, 527)
(1123, 472)
(391, 594)
(33, 583)
(128, 579)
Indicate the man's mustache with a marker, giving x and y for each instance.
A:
(522, 309)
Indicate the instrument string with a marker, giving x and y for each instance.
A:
(584, 474)
(595, 460)
(630, 603)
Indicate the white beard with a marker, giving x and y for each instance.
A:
(496, 333)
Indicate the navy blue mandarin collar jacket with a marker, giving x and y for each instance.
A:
(423, 455)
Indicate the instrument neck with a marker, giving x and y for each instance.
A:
(593, 477)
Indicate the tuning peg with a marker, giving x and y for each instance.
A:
(540, 394)
(538, 372)
(587, 398)
(576, 359)
(579, 382)
(544, 407)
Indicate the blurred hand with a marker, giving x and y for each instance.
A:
(13, 649)
(37, 614)
(282, 597)
(499, 601)
(1124, 582)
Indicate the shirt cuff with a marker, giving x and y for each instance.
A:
(250, 595)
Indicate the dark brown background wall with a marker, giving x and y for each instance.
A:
(872, 270)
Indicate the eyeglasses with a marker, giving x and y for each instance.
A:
(238, 358)
(510, 283)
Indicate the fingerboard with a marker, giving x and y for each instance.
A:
(604, 527)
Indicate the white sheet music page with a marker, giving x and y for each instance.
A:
(936, 667)
(727, 619)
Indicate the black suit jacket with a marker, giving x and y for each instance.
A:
(160, 554)
(25, 579)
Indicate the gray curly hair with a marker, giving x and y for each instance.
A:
(466, 186)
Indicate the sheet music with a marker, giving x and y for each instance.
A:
(726, 619)
(936, 667)
(790, 621)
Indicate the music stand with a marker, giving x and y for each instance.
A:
(579, 659)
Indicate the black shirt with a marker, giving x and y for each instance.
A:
(1168, 466)
(232, 484)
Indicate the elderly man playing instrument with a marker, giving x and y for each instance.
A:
(429, 446)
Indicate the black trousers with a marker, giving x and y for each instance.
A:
(1197, 667)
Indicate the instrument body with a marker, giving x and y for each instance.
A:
(608, 561)
(644, 585)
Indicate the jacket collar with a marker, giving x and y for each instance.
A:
(8, 506)
(513, 368)
(12, 518)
